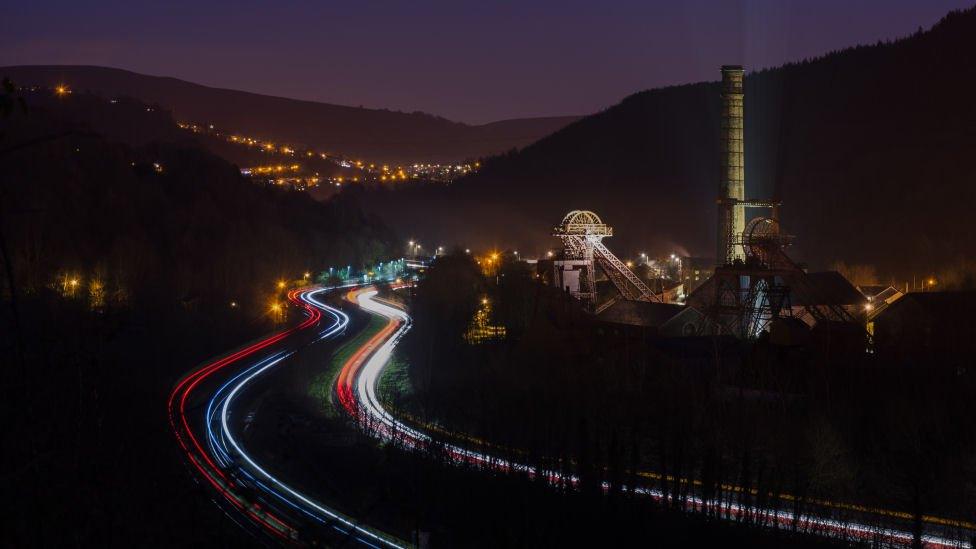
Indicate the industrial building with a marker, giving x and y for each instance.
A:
(575, 271)
(755, 287)
(732, 183)
(936, 330)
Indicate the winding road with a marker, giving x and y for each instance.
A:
(202, 414)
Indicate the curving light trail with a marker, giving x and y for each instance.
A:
(359, 378)
(224, 462)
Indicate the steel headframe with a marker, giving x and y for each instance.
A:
(582, 233)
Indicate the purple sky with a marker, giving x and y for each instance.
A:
(470, 61)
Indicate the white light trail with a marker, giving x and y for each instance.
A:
(368, 380)
(271, 483)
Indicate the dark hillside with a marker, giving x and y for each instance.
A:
(871, 149)
(376, 134)
(118, 192)
(136, 255)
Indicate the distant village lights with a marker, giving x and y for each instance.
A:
(367, 172)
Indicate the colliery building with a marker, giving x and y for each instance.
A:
(931, 329)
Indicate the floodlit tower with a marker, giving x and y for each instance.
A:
(731, 188)
(582, 233)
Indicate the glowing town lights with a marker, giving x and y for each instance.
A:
(233, 304)
(467, 250)
(306, 275)
(281, 284)
(868, 307)
(549, 253)
(629, 263)
(484, 301)
(62, 90)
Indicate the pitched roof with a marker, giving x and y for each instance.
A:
(828, 288)
(640, 313)
(872, 290)
(955, 304)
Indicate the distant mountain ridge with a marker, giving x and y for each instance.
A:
(374, 134)
(872, 149)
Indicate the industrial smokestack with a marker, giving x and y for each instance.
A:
(731, 188)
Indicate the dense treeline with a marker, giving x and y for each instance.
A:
(422, 493)
(612, 404)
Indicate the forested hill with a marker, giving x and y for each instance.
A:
(115, 193)
(872, 149)
(378, 135)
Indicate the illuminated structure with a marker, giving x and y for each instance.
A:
(732, 184)
(755, 283)
(582, 233)
(732, 202)
(746, 298)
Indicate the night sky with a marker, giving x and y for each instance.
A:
(468, 61)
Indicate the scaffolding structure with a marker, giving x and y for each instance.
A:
(745, 297)
(582, 233)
